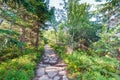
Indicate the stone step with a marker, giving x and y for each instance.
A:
(50, 67)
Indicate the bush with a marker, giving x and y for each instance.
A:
(108, 44)
(82, 65)
(103, 68)
(20, 68)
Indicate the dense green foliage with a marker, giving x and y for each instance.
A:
(21, 67)
(103, 68)
(82, 65)
(91, 49)
(109, 42)
(20, 21)
(100, 59)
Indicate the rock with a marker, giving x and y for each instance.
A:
(40, 72)
(44, 65)
(46, 68)
(65, 78)
(56, 78)
(61, 68)
(44, 77)
(55, 58)
(52, 68)
(46, 61)
(52, 62)
(51, 74)
(62, 73)
(45, 57)
(52, 55)
(51, 58)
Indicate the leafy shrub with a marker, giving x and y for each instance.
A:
(108, 43)
(103, 68)
(82, 65)
(20, 68)
(60, 49)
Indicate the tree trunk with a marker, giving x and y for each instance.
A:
(37, 38)
(55, 33)
(1, 20)
(22, 39)
(10, 28)
(31, 38)
(56, 37)
(11, 25)
(72, 41)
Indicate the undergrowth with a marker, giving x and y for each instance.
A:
(22, 67)
(85, 65)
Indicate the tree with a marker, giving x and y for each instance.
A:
(81, 31)
(37, 8)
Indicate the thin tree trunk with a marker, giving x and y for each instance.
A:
(10, 28)
(31, 39)
(37, 38)
(1, 20)
(72, 41)
(55, 33)
(23, 39)
(11, 25)
(56, 36)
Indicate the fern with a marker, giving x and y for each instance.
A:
(11, 32)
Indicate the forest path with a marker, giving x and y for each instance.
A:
(51, 66)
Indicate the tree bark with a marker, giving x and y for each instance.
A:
(1, 20)
(10, 28)
(55, 33)
(22, 39)
(31, 38)
(37, 38)
(11, 25)
(72, 41)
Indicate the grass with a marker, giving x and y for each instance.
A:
(20, 68)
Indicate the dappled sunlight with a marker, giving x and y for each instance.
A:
(59, 39)
(78, 64)
(18, 68)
